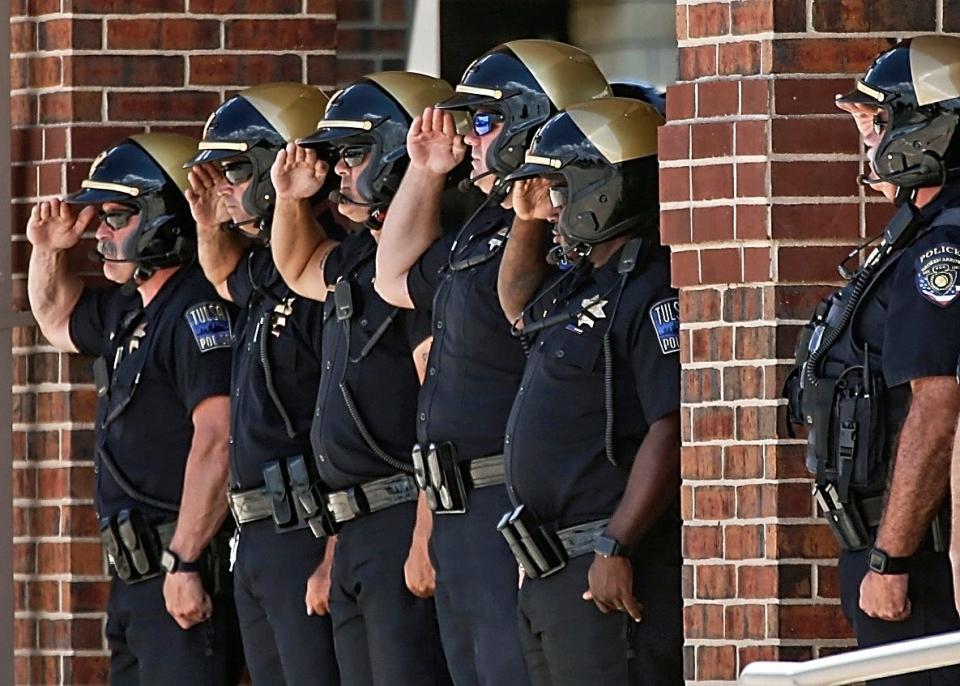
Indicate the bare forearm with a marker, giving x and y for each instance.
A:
(411, 227)
(653, 484)
(219, 252)
(53, 293)
(424, 525)
(917, 487)
(203, 506)
(300, 247)
(523, 267)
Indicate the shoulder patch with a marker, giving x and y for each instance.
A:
(665, 316)
(937, 271)
(210, 324)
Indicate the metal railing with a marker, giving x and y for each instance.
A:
(859, 665)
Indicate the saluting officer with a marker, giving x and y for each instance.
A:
(475, 362)
(162, 376)
(282, 577)
(365, 414)
(593, 438)
(875, 380)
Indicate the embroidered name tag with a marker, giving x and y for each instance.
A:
(937, 270)
(665, 316)
(210, 325)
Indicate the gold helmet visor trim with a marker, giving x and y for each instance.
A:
(494, 93)
(879, 96)
(344, 124)
(106, 186)
(545, 161)
(222, 145)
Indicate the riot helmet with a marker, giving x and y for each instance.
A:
(916, 85)
(375, 112)
(254, 126)
(145, 171)
(525, 82)
(604, 154)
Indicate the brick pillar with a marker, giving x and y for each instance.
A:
(84, 74)
(759, 205)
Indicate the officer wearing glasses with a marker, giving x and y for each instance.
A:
(373, 356)
(282, 607)
(162, 375)
(593, 437)
(475, 362)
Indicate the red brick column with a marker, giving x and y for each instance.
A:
(84, 74)
(760, 203)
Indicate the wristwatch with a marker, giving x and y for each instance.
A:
(607, 546)
(171, 563)
(880, 562)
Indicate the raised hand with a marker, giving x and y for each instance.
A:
(53, 226)
(205, 204)
(531, 199)
(433, 143)
(297, 173)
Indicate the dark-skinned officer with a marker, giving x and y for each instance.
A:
(593, 438)
(875, 381)
(475, 362)
(276, 372)
(162, 376)
(365, 417)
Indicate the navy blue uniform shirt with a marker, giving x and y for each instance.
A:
(163, 360)
(381, 380)
(475, 362)
(556, 463)
(276, 323)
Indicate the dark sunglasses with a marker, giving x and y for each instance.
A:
(353, 156)
(237, 173)
(116, 219)
(559, 195)
(483, 122)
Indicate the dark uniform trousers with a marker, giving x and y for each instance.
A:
(284, 646)
(148, 647)
(567, 641)
(932, 611)
(477, 593)
(383, 634)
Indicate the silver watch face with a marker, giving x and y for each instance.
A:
(168, 561)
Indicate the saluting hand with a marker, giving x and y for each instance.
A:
(186, 600)
(205, 204)
(53, 226)
(610, 582)
(531, 199)
(864, 115)
(298, 173)
(433, 143)
(884, 596)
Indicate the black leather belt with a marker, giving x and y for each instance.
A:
(580, 539)
(371, 497)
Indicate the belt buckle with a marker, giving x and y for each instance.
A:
(339, 504)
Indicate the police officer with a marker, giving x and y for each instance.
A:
(276, 372)
(364, 424)
(875, 380)
(475, 362)
(593, 438)
(162, 377)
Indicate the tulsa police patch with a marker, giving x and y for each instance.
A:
(665, 316)
(210, 325)
(937, 272)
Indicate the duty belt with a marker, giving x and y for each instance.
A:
(134, 552)
(445, 480)
(371, 497)
(250, 506)
(484, 471)
(539, 549)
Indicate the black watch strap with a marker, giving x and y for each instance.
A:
(171, 563)
(607, 546)
(882, 563)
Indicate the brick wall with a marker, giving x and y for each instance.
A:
(759, 205)
(85, 73)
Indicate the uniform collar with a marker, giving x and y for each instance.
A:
(949, 196)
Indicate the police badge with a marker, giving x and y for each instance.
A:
(937, 271)
(210, 324)
(665, 316)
